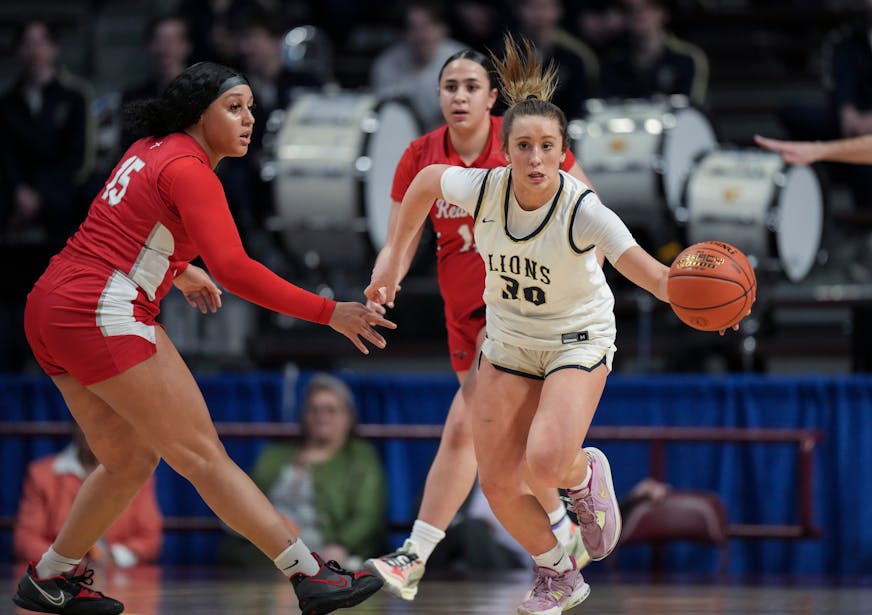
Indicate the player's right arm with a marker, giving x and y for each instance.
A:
(387, 272)
(409, 255)
(406, 260)
(857, 150)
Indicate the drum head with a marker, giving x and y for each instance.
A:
(800, 222)
(335, 156)
(690, 137)
(397, 126)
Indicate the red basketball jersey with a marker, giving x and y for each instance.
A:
(162, 206)
(459, 267)
(130, 226)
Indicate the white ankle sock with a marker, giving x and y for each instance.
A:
(425, 537)
(584, 483)
(297, 558)
(556, 559)
(53, 564)
(561, 524)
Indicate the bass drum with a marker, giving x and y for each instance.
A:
(753, 200)
(638, 154)
(334, 157)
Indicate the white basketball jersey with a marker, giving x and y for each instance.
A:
(541, 290)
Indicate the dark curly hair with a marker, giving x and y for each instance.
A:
(183, 101)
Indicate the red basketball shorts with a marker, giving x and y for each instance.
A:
(462, 336)
(87, 324)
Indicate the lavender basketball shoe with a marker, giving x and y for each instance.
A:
(596, 508)
(554, 592)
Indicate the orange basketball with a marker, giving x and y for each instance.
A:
(711, 286)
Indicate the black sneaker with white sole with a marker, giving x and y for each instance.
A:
(333, 588)
(66, 594)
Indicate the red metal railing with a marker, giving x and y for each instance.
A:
(658, 438)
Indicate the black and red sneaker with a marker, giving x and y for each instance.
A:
(65, 594)
(333, 588)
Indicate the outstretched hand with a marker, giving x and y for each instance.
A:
(735, 327)
(355, 320)
(793, 152)
(385, 281)
(199, 289)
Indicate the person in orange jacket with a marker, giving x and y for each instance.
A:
(51, 484)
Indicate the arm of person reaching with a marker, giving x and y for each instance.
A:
(407, 257)
(856, 150)
(199, 198)
(386, 274)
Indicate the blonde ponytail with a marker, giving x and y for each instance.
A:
(526, 86)
(520, 74)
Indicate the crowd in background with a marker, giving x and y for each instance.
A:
(53, 162)
(50, 170)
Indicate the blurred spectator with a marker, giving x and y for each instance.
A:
(331, 482)
(599, 23)
(847, 67)
(169, 48)
(850, 85)
(49, 488)
(577, 65)
(212, 28)
(652, 60)
(410, 68)
(274, 86)
(47, 153)
(850, 76)
(646, 490)
(479, 23)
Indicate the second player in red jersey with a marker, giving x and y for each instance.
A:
(460, 269)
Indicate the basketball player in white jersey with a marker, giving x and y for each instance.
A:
(550, 325)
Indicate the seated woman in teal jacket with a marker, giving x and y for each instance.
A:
(330, 482)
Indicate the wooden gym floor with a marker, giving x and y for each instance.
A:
(200, 591)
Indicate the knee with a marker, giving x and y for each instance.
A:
(548, 466)
(457, 435)
(191, 458)
(499, 490)
(134, 466)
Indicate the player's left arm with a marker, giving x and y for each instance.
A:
(644, 271)
(599, 226)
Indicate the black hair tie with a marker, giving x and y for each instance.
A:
(532, 97)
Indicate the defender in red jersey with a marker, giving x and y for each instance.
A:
(471, 137)
(90, 321)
